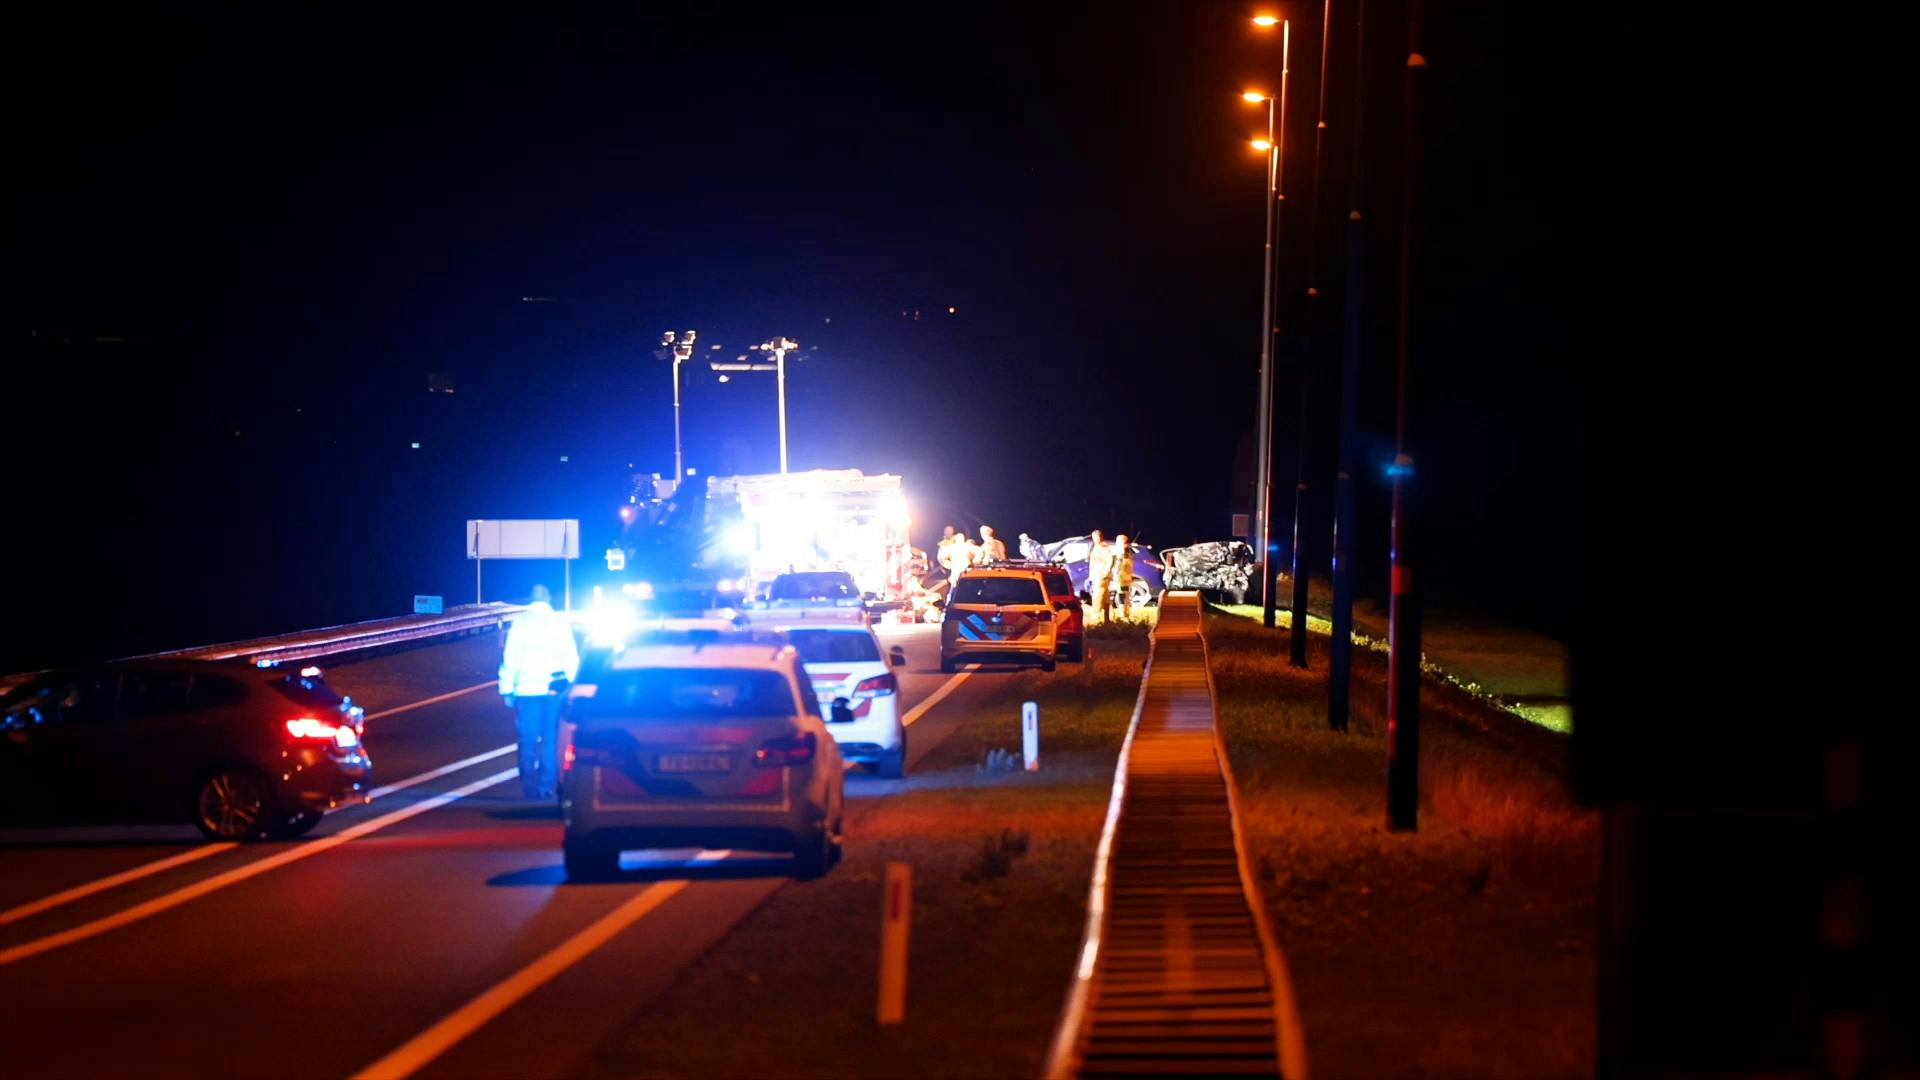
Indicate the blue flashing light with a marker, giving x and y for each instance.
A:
(1400, 469)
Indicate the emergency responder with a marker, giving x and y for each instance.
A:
(1123, 574)
(992, 548)
(1030, 548)
(1099, 572)
(943, 553)
(966, 555)
(540, 660)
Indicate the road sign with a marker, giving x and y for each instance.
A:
(513, 539)
(427, 605)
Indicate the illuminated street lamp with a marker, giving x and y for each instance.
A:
(1274, 146)
(779, 347)
(681, 350)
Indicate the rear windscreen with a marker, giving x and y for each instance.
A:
(834, 646)
(308, 691)
(1058, 583)
(828, 586)
(693, 693)
(998, 590)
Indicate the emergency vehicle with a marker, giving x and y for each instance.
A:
(827, 519)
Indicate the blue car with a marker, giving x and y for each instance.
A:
(1148, 572)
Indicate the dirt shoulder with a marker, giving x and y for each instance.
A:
(1001, 863)
(1465, 949)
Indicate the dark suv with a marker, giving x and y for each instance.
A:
(243, 752)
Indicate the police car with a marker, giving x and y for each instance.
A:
(999, 615)
(698, 738)
(854, 683)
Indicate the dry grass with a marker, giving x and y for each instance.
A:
(1000, 862)
(1464, 949)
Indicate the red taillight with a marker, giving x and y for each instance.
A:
(585, 755)
(786, 750)
(316, 730)
(878, 686)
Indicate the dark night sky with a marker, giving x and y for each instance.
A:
(293, 222)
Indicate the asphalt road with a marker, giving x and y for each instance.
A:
(429, 933)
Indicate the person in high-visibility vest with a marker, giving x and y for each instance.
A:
(539, 660)
(1123, 574)
(1099, 572)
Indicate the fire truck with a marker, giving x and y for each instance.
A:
(827, 519)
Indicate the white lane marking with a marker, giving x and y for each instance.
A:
(81, 891)
(432, 700)
(422, 1049)
(935, 698)
(241, 873)
(435, 774)
(158, 866)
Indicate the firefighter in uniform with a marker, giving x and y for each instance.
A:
(1099, 572)
(1123, 574)
(992, 548)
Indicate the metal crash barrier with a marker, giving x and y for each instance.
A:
(1178, 973)
(353, 637)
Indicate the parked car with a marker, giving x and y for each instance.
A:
(1148, 572)
(853, 680)
(243, 752)
(698, 738)
(1222, 569)
(999, 615)
(1069, 613)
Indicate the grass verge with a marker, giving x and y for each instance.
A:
(1001, 863)
(1465, 949)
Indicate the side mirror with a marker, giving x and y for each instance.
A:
(841, 712)
(898, 656)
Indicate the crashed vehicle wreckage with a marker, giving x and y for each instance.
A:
(1221, 567)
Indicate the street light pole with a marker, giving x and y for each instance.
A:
(1310, 359)
(1269, 594)
(780, 347)
(1403, 612)
(1340, 654)
(1263, 433)
(682, 351)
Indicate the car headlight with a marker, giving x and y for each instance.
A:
(639, 590)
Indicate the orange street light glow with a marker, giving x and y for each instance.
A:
(1262, 144)
(1266, 20)
(1253, 97)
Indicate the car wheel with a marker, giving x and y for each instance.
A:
(1141, 594)
(947, 666)
(814, 856)
(234, 804)
(1078, 653)
(1047, 664)
(893, 764)
(588, 860)
(299, 824)
(1239, 596)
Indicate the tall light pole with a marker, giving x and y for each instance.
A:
(1310, 358)
(1275, 144)
(682, 350)
(779, 347)
(1403, 612)
(1263, 429)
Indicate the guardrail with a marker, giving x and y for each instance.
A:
(352, 637)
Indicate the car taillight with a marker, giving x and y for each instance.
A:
(786, 750)
(878, 686)
(316, 730)
(585, 755)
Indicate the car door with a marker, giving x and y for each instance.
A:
(60, 751)
(167, 742)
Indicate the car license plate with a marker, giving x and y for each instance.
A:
(1008, 629)
(693, 763)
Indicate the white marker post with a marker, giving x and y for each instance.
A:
(1030, 735)
(895, 917)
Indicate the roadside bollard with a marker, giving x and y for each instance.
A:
(894, 920)
(1030, 735)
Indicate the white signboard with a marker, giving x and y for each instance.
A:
(510, 539)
